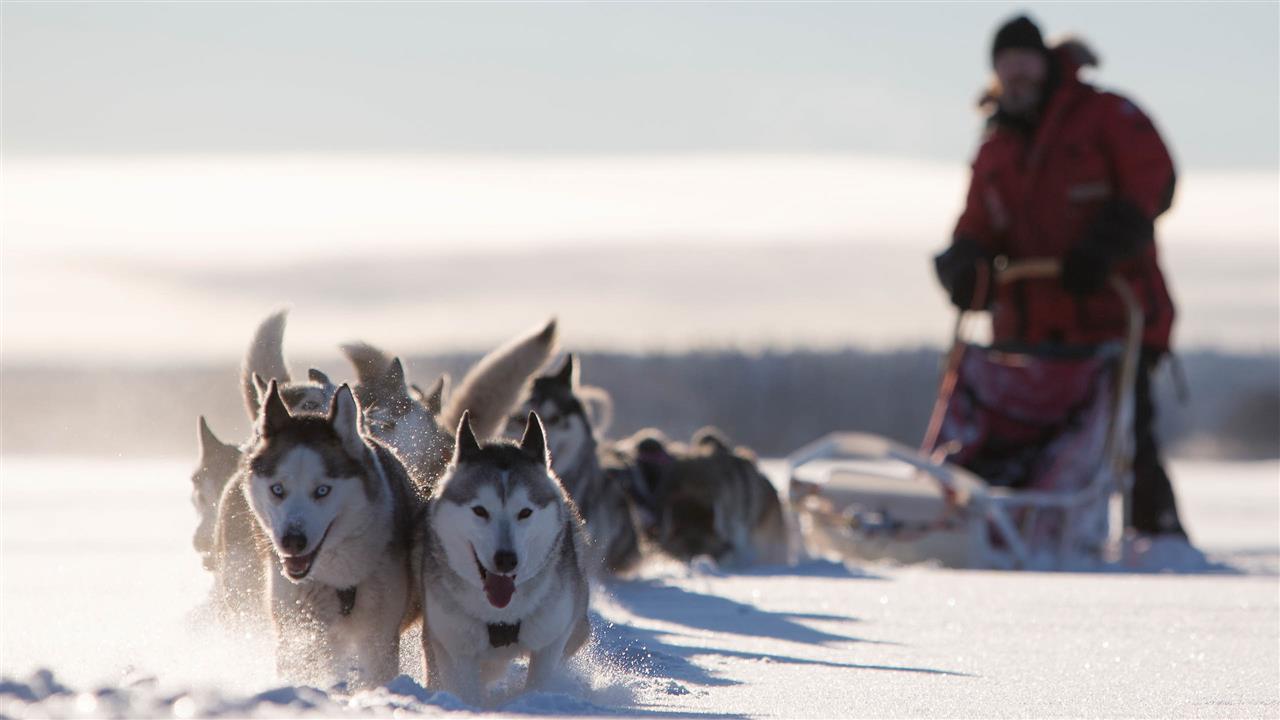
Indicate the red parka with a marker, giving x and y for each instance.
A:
(1037, 194)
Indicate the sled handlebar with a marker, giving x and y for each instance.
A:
(1048, 268)
(1035, 269)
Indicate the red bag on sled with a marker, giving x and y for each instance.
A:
(1031, 421)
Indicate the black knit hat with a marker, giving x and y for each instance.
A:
(1018, 32)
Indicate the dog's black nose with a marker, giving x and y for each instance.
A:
(504, 561)
(293, 542)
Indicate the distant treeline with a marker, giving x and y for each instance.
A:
(773, 402)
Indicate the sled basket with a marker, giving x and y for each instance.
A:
(1026, 460)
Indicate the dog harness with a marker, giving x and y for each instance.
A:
(347, 600)
(500, 634)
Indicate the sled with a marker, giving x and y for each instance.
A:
(1025, 464)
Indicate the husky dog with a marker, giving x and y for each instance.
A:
(501, 563)
(371, 364)
(714, 501)
(401, 420)
(233, 554)
(415, 424)
(576, 459)
(218, 462)
(332, 526)
(264, 361)
(641, 463)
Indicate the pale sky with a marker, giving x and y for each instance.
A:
(883, 79)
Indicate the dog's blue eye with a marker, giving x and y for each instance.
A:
(480, 512)
(322, 491)
(277, 490)
(524, 514)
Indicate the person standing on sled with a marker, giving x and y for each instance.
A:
(1070, 172)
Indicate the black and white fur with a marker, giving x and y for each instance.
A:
(502, 570)
(332, 515)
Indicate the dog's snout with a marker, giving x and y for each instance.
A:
(504, 561)
(293, 542)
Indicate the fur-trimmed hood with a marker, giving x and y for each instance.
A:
(1070, 54)
(1073, 53)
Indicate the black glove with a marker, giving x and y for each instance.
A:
(1085, 269)
(957, 270)
(1119, 231)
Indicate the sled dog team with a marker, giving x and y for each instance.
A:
(355, 512)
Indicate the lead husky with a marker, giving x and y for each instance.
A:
(263, 361)
(575, 457)
(502, 569)
(332, 521)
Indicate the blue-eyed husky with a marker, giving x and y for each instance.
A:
(331, 517)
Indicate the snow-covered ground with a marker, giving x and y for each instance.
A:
(99, 594)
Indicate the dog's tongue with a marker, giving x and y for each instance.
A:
(499, 589)
(297, 564)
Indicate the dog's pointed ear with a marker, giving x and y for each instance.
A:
(210, 445)
(273, 416)
(465, 445)
(567, 375)
(344, 417)
(548, 334)
(534, 442)
(208, 441)
(261, 386)
(318, 377)
(394, 381)
(434, 398)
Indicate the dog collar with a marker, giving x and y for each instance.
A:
(500, 634)
(346, 600)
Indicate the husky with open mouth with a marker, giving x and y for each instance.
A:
(264, 361)
(332, 519)
(501, 561)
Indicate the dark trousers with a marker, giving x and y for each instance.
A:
(1155, 511)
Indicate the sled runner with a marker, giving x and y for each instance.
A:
(1026, 459)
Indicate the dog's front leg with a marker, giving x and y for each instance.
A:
(291, 653)
(544, 662)
(302, 654)
(430, 664)
(382, 663)
(467, 681)
(371, 653)
(304, 651)
(451, 672)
